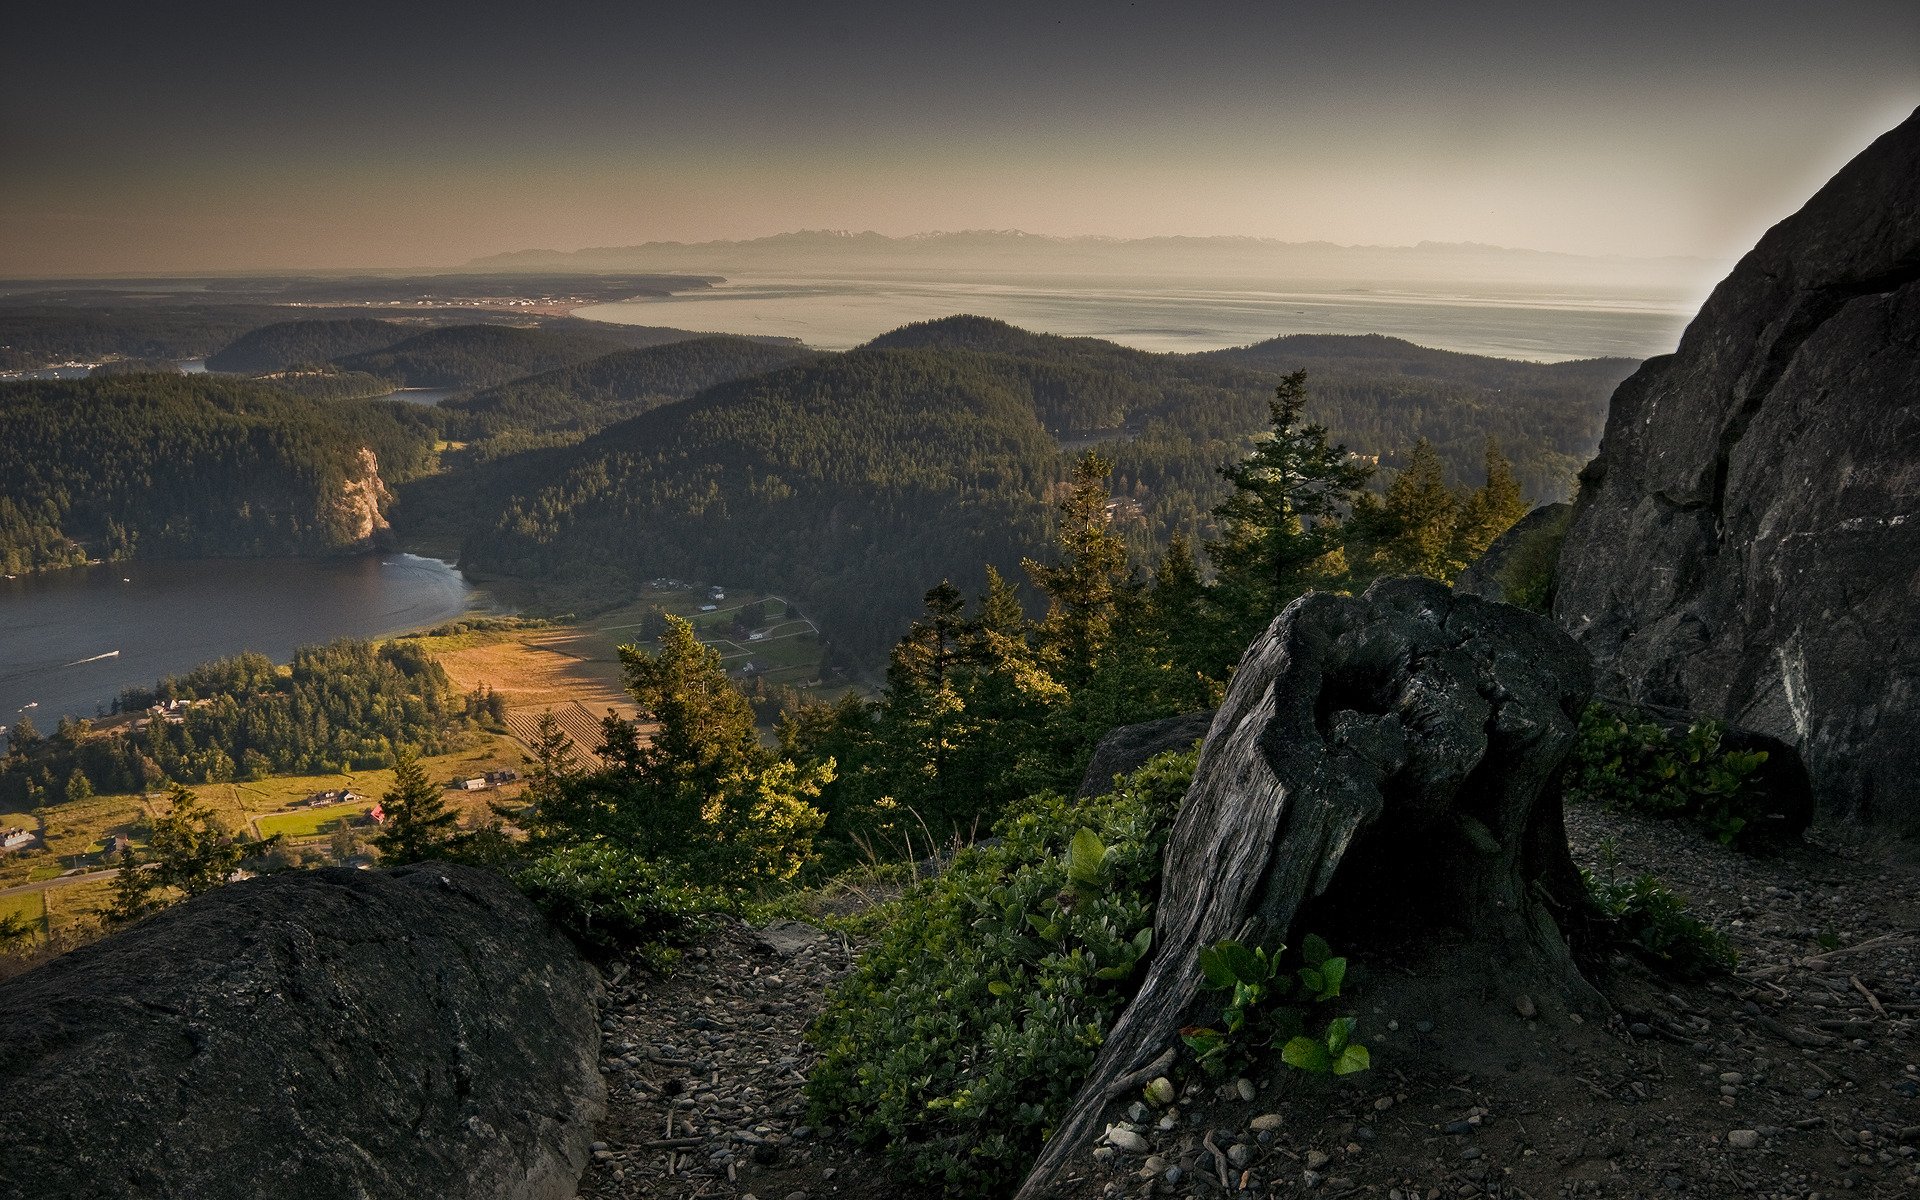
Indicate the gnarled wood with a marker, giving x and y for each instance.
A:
(1404, 740)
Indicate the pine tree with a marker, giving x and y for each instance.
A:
(1280, 524)
(133, 888)
(1085, 589)
(416, 822)
(551, 771)
(1421, 514)
(1491, 509)
(190, 850)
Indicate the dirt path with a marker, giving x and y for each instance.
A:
(705, 1074)
(1797, 1076)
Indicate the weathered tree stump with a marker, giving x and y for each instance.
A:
(1393, 754)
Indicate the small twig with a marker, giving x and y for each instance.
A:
(1219, 1159)
(1903, 939)
(1871, 998)
(676, 1143)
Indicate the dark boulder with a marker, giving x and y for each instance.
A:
(326, 1034)
(1518, 567)
(1127, 749)
(1747, 543)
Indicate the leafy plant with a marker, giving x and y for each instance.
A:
(970, 1023)
(1642, 766)
(1253, 978)
(1335, 1054)
(1656, 921)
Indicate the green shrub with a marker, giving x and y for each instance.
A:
(609, 898)
(1254, 1013)
(969, 1025)
(1641, 766)
(1645, 913)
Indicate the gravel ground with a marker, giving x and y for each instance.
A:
(1795, 1076)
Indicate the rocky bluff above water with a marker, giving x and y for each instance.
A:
(1747, 543)
(333, 1033)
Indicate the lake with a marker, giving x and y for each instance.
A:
(1183, 315)
(59, 629)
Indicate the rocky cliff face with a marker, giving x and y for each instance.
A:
(358, 511)
(328, 1033)
(1747, 543)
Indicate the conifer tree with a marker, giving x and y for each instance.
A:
(416, 823)
(1421, 514)
(133, 888)
(190, 850)
(1491, 509)
(705, 731)
(1279, 524)
(1084, 589)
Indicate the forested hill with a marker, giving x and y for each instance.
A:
(848, 482)
(473, 356)
(602, 391)
(1381, 394)
(34, 335)
(305, 343)
(171, 465)
(844, 482)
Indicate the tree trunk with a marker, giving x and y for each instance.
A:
(1382, 760)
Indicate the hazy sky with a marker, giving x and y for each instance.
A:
(157, 136)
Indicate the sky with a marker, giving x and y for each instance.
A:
(214, 137)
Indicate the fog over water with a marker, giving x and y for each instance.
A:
(1506, 321)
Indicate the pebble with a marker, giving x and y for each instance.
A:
(1316, 1159)
(1266, 1121)
(1523, 1004)
(1245, 1088)
(1743, 1139)
(1127, 1139)
(1160, 1091)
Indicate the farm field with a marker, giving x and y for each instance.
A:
(28, 906)
(574, 670)
(262, 804)
(259, 807)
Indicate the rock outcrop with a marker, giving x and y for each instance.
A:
(1747, 543)
(1389, 761)
(1518, 567)
(324, 1034)
(1127, 749)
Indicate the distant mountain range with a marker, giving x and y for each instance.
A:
(1003, 251)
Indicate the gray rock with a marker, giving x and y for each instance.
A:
(785, 939)
(1746, 543)
(315, 1034)
(1127, 749)
(1532, 544)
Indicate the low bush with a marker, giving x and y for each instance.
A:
(1642, 766)
(971, 1022)
(1654, 920)
(608, 898)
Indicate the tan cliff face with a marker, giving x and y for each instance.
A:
(357, 510)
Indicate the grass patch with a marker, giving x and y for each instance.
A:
(78, 907)
(308, 822)
(28, 906)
